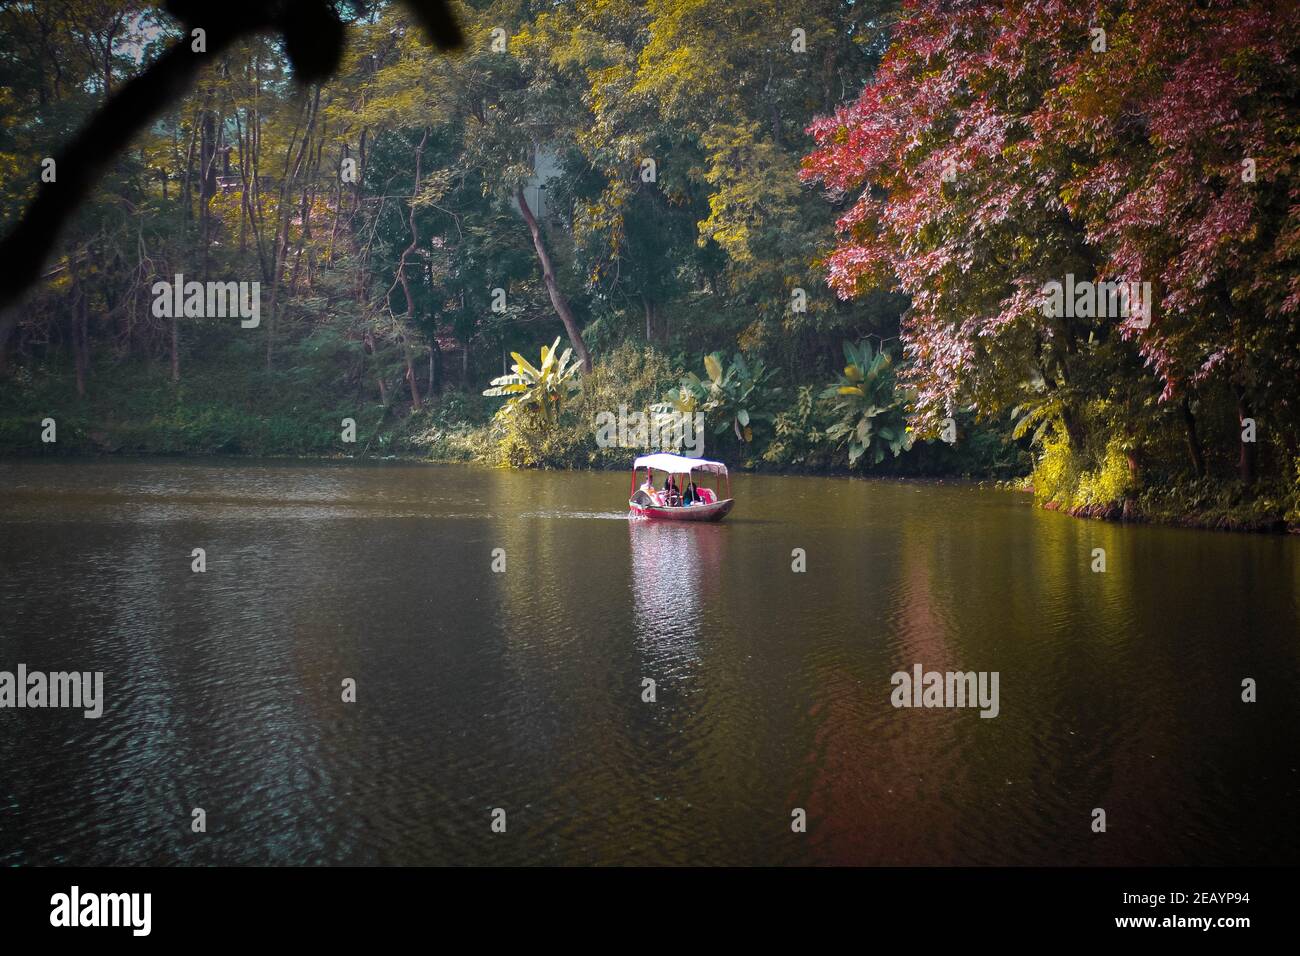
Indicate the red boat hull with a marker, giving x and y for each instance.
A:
(711, 512)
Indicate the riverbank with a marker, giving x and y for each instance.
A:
(1213, 508)
(253, 416)
(136, 410)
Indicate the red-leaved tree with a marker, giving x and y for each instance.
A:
(1005, 145)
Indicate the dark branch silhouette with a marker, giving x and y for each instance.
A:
(313, 39)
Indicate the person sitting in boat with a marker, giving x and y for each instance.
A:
(691, 495)
(648, 489)
(672, 494)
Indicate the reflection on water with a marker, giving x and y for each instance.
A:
(523, 689)
(675, 570)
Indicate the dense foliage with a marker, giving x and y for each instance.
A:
(869, 405)
(538, 391)
(667, 185)
(1003, 147)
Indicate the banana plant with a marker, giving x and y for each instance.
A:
(540, 390)
(733, 399)
(871, 409)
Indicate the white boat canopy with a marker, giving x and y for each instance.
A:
(679, 464)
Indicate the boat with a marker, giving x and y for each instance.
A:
(646, 502)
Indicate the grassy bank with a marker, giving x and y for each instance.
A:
(1106, 485)
(137, 410)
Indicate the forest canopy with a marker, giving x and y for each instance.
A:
(830, 227)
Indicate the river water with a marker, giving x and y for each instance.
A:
(523, 690)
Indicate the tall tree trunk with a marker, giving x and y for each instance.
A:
(302, 261)
(292, 168)
(188, 192)
(401, 268)
(410, 377)
(107, 61)
(207, 179)
(1193, 440)
(245, 147)
(187, 189)
(368, 344)
(80, 343)
(552, 286)
(338, 207)
(1134, 467)
(1074, 430)
(207, 152)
